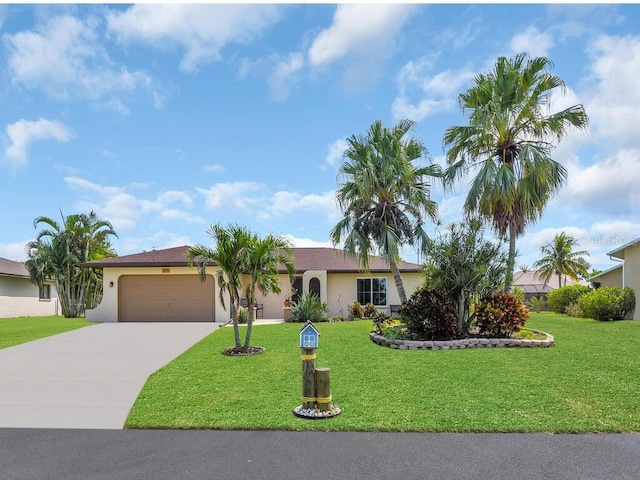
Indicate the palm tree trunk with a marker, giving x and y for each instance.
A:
(247, 339)
(398, 281)
(511, 260)
(234, 319)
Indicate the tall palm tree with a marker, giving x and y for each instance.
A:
(560, 259)
(230, 244)
(507, 145)
(58, 252)
(385, 196)
(261, 261)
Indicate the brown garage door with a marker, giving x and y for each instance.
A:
(165, 298)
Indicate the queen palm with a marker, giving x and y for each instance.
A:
(507, 145)
(227, 256)
(560, 259)
(385, 196)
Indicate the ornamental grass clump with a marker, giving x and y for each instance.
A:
(429, 315)
(500, 315)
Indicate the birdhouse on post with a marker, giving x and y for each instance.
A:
(309, 336)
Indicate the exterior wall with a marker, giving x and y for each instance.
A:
(107, 311)
(20, 298)
(632, 273)
(610, 279)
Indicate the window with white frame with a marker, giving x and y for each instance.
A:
(372, 290)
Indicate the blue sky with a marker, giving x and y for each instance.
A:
(166, 119)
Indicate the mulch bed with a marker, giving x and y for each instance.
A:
(231, 352)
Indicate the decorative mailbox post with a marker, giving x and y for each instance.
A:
(316, 383)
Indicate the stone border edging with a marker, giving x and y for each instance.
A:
(462, 343)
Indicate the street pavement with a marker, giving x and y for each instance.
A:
(89, 377)
(208, 454)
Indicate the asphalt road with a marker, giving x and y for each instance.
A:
(32, 454)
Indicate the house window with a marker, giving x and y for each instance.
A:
(44, 292)
(372, 290)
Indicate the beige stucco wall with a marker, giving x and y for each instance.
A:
(107, 311)
(632, 273)
(20, 298)
(610, 279)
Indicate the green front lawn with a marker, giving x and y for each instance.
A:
(14, 331)
(588, 382)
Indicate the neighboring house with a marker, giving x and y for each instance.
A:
(534, 286)
(625, 274)
(160, 286)
(21, 298)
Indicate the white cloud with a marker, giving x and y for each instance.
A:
(360, 29)
(284, 202)
(532, 41)
(614, 101)
(215, 167)
(202, 30)
(284, 75)
(64, 57)
(14, 251)
(336, 151)
(237, 194)
(157, 241)
(435, 93)
(609, 186)
(302, 242)
(124, 210)
(175, 214)
(23, 132)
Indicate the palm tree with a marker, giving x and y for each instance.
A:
(240, 252)
(508, 143)
(385, 196)
(227, 256)
(560, 259)
(59, 251)
(261, 262)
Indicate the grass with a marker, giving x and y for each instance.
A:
(586, 383)
(14, 331)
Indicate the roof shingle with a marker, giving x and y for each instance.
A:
(330, 259)
(14, 269)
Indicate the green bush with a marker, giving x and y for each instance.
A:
(309, 307)
(536, 304)
(355, 310)
(242, 315)
(573, 310)
(369, 311)
(518, 292)
(429, 315)
(560, 298)
(608, 303)
(500, 315)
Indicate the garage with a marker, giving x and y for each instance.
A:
(165, 298)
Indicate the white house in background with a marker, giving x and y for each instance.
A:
(160, 286)
(624, 274)
(21, 298)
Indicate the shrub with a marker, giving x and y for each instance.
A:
(560, 298)
(429, 315)
(573, 310)
(242, 315)
(518, 292)
(369, 311)
(381, 322)
(608, 303)
(355, 310)
(500, 315)
(536, 304)
(309, 307)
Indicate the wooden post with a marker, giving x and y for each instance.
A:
(308, 378)
(323, 388)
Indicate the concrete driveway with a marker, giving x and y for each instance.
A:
(90, 377)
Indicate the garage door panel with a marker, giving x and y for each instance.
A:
(160, 298)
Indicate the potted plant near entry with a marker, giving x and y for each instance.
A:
(287, 299)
